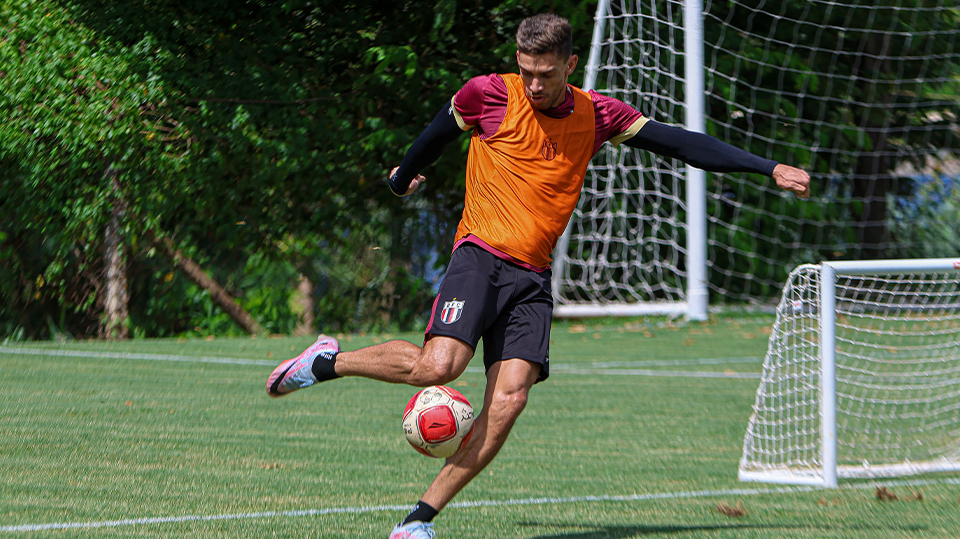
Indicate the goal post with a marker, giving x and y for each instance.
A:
(862, 375)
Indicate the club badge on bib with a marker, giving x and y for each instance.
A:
(549, 149)
(451, 311)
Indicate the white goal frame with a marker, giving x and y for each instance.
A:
(828, 472)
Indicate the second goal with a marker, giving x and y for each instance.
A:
(862, 375)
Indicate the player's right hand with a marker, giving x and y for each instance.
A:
(792, 179)
(414, 183)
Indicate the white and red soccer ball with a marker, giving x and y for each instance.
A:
(438, 421)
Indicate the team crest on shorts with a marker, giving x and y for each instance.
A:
(451, 311)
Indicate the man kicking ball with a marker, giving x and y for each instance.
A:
(532, 136)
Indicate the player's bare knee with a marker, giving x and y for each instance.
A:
(429, 371)
(510, 404)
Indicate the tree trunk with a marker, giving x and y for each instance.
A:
(871, 184)
(306, 323)
(221, 298)
(116, 301)
(872, 177)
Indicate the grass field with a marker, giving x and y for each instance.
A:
(637, 433)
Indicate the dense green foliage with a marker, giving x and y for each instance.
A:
(255, 134)
(929, 219)
(70, 112)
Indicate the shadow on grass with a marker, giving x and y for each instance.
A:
(587, 531)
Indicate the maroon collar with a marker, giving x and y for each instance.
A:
(562, 110)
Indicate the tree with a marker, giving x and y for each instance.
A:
(74, 129)
(251, 137)
(66, 121)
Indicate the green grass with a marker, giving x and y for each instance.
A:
(96, 439)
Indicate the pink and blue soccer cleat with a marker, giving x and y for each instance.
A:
(297, 373)
(413, 530)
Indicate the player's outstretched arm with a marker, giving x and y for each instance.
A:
(714, 155)
(424, 151)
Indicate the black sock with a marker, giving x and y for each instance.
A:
(421, 512)
(323, 368)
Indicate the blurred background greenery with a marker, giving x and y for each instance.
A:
(194, 168)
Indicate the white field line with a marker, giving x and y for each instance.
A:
(598, 368)
(674, 362)
(133, 355)
(629, 368)
(460, 505)
(644, 372)
(667, 374)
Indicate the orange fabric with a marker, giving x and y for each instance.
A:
(523, 182)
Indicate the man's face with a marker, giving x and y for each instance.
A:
(545, 78)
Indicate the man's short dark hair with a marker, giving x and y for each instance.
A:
(545, 33)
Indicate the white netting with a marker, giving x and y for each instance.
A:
(897, 378)
(627, 234)
(784, 430)
(898, 369)
(862, 94)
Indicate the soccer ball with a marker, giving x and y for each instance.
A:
(438, 421)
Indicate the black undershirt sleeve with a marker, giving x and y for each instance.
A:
(425, 151)
(697, 149)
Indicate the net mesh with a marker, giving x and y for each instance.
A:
(898, 368)
(627, 233)
(784, 431)
(862, 94)
(897, 377)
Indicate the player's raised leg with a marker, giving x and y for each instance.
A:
(441, 360)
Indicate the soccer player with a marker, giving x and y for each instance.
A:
(532, 136)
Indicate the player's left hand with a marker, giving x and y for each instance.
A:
(414, 183)
(792, 179)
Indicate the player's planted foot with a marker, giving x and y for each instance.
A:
(413, 530)
(299, 372)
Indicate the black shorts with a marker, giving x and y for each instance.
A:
(507, 305)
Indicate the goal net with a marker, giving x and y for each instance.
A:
(861, 94)
(861, 376)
